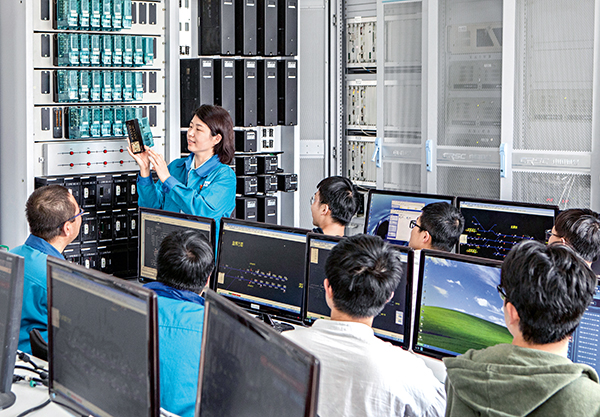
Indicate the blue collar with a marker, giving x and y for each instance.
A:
(204, 169)
(40, 244)
(169, 292)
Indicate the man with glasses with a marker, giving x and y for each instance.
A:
(333, 205)
(54, 219)
(438, 227)
(546, 290)
(579, 229)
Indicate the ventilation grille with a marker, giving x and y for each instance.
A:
(469, 182)
(565, 190)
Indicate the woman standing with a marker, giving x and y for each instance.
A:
(201, 184)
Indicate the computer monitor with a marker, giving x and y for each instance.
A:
(493, 227)
(458, 306)
(155, 225)
(261, 267)
(11, 299)
(248, 369)
(389, 213)
(392, 324)
(102, 343)
(318, 247)
(584, 346)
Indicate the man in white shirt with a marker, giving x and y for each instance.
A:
(362, 375)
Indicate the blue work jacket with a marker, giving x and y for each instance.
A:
(34, 313)
(207, 191)
(180, 321)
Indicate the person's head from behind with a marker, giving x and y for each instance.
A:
(438, 227)
(336, 198)
(211, 130)
(185, 261)
(362, 273)
(549, 289)
(53, 213)
(580, 229)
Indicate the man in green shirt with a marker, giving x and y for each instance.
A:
(546, 290)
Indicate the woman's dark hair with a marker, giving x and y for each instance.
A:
(219, 122)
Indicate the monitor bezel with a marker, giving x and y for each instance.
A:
(460, 200)
(272, 311)
(444, 255)
(13, 326)
(172, 214)
(410, 264)
(309, 237)
(214, 300)
(372, 191)
(146, 295)
(405, 344)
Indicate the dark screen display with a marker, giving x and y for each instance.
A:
(492, 229)
(156, 226)
(392, 324)
(100, 345)
(584, 346)
(11, 297)
(262, 268)
(247, 371)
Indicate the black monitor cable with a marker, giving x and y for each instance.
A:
(25, 358)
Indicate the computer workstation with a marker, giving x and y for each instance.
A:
(389, 213)
(493, 227)
(155, 225)
(248, 369)
(391, 324)
(261, 268)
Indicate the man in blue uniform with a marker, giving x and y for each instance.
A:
(184, 263)
(54, 219)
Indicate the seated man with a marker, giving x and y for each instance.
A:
(546, 290)
(579, 229)
(333, 205)
(54, 220)
(183, 264)
(438, 227)
(362, 375)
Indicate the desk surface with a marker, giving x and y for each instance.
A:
(28, 397)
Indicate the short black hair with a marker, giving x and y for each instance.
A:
(550, 287)
(363, 272)
(580, 227)
(341, 195)
(47, 209)
(185, 260)
(444, 222)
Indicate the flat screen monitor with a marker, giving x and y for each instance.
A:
(11, 299)
(261, 267)
(392, 324)
(584, 346)
(492, 228)
(458, 307)
(247, 369)
(389, 213)
(155, 225)
(102, 343)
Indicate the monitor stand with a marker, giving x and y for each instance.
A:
(7, 399)
(278, 326)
